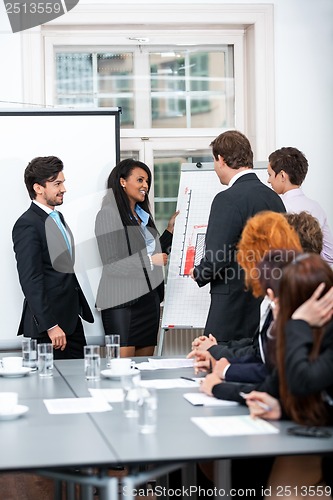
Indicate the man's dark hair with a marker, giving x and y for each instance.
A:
(40, 170)
(292, 161)
(235, 149)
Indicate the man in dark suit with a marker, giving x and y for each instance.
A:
(233, 312)
(44, 250)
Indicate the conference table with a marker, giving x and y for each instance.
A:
(80, 448)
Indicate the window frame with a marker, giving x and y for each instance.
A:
(250, 25)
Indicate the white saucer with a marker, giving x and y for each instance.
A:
(17, 412)
(110, 374)
(19, 372)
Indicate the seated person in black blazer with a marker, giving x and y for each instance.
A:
(244, 361)
(301, 387)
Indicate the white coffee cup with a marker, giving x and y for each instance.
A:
(12, 363)
(121, 366)
(8, 401)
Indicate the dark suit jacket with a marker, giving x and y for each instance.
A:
(126, 274)
(304, 376)
(45, 268)
(247, 364)
(234, 313)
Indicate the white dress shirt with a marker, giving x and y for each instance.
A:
(295, 201)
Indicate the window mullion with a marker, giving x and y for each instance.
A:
(95, 78)
(141, 75)
(187, 90)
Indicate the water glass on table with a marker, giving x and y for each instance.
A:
(147, 408)
(92, 362)
(112, 345)
(45, 360)
(130, 383)
(29, 353)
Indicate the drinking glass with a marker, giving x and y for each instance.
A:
(130, 385)
(45, 360)
(29, 353)
(112, 344)
(92, 362)
(147, 408)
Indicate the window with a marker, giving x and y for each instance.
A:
(95, 79)
(191, 88)
(178, 81)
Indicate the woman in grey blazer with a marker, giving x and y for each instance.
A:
(133, 255)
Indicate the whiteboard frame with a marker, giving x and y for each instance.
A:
(259, 166)
(75, 141)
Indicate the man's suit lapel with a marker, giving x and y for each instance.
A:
(60, 256)
(37, 210)
(70, 234)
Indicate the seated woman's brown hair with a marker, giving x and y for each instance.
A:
(263, 232)
(308, 229)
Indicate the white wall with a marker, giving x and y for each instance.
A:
(10, 57)
(304, 81)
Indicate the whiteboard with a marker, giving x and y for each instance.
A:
(88, 144)
(185, 304)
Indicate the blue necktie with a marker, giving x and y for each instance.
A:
(56, 217)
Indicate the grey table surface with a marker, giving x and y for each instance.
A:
(32, 386)
(177, 438)
(38, 439)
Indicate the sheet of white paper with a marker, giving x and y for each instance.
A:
(199, 399)
(158, 364)
(169, 383)
(234, 426)
(145, 365)
(110, 395)
(76, 405)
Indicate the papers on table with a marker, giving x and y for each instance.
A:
(170, 383)
(199, 399)
(110, 395)
(76, 405)
(117, 395)
(158, 364)
(234, 426)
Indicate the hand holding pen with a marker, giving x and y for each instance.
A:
(262, 405)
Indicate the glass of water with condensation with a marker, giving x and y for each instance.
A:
(45, 360)
(112, 345)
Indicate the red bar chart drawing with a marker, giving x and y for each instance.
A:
(195, 250)
(186, 304)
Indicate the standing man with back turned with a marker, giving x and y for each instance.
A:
(44, 250)
(233, 312)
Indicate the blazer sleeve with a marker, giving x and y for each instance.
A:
(305, 376)
(249, 372)
(238, 348)
(166, 241)
(29, 256)
(230, 390)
